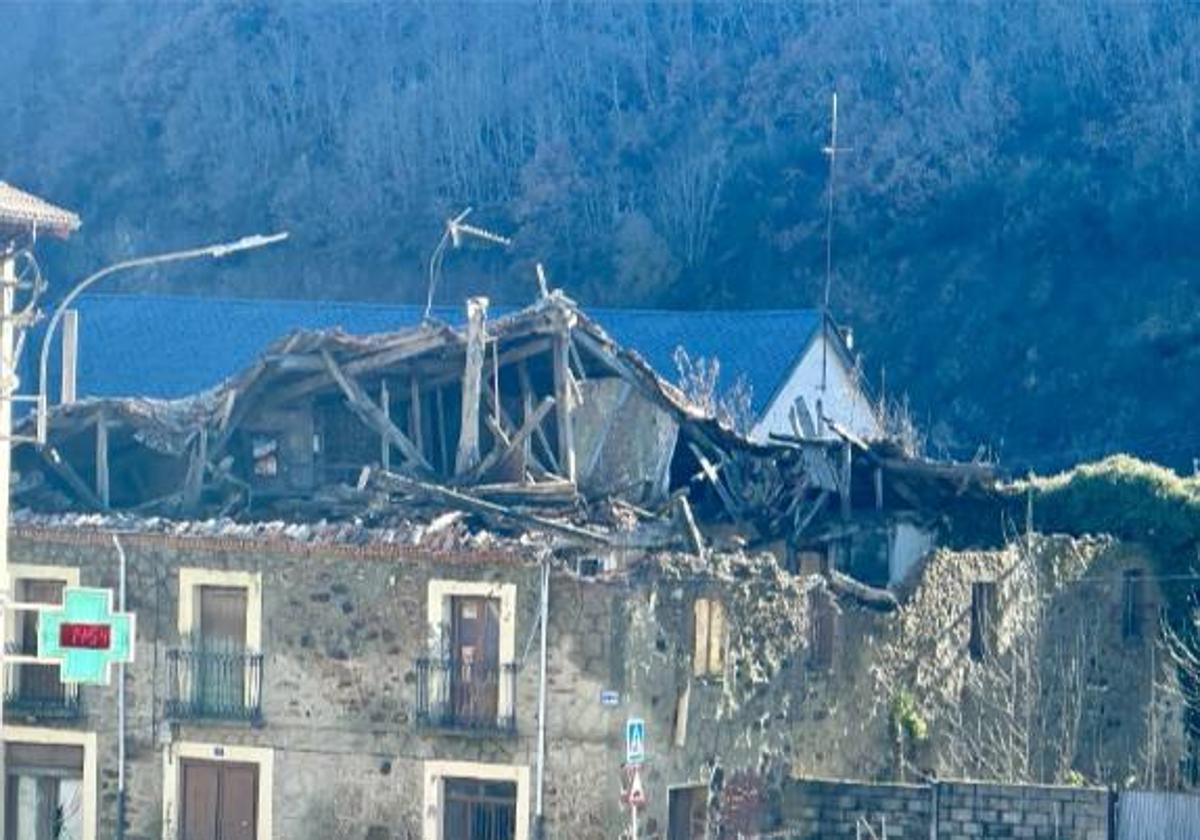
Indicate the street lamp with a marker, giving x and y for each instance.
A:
(246, 243)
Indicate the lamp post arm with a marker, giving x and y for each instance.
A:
(214, 251)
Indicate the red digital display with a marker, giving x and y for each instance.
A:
(87, 636)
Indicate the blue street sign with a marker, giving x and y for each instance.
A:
(610, 698)
(635, 741)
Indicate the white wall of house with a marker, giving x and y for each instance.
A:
(842, 399)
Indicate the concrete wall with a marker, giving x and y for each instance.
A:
(950, 810)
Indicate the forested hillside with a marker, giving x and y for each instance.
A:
(1017, 234)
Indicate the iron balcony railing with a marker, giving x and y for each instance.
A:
(459, 695)
(214, 681)
(35, 692)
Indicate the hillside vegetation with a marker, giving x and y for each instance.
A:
(1015, 236)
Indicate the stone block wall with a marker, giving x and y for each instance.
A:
(819, 809)
(953, 810)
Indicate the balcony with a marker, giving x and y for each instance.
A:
(214, 682)
(34, 692)
(455, 695)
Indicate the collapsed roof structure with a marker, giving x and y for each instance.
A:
(533, 421)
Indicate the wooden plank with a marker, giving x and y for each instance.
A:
(385, 405)
(442, 433)
(689, 525)
(64, 471)
(102, 483)
(416, 429)
(847, 472)
(70, 356)
(499, 453)
(371, 414)
(467, 454)
(193, 482)
(408, 347)
(562, 398)
(547, 449)
(486, 509)
(710, 472)
(437, 375)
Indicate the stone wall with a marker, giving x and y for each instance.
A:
(345, 624)
(817, 809)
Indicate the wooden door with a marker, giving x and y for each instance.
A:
(475, 659)
(219, 801)
(221, 664)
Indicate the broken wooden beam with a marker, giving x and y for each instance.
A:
(371, 414)
(467, 454)
(691, 531)
(416, 426)
(500, 452)
(102, 483)
(527, 392)
(488, 510)
(64, 471)
(385, 405)
(563, 401)
(193, 482)
(710, 472)
(872, 597)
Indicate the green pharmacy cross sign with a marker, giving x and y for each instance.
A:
(84, 636)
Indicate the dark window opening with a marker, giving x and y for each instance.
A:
(479, 810)
(35, 690)
(983, 608)
(1132, 604)
(687, 816)
(347, 445)
(822, 629)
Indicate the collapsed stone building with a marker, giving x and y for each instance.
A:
(412, 585)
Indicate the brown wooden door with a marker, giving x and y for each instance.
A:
(219, 801)
(475, 659)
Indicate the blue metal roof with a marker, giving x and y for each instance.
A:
(170, 346)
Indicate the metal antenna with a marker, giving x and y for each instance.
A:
(453, 235)
(832, 152)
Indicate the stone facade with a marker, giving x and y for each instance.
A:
(343, 627)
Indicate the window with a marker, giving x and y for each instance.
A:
(468, 680)
(983, 607)
(1132, 604)
(687, 813)
(216, 671)
(35, 691)
(469, 800)
(708, 651)
(477, 809)
(822, 629)
(50, 780)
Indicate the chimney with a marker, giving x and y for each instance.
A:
(847, 337)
